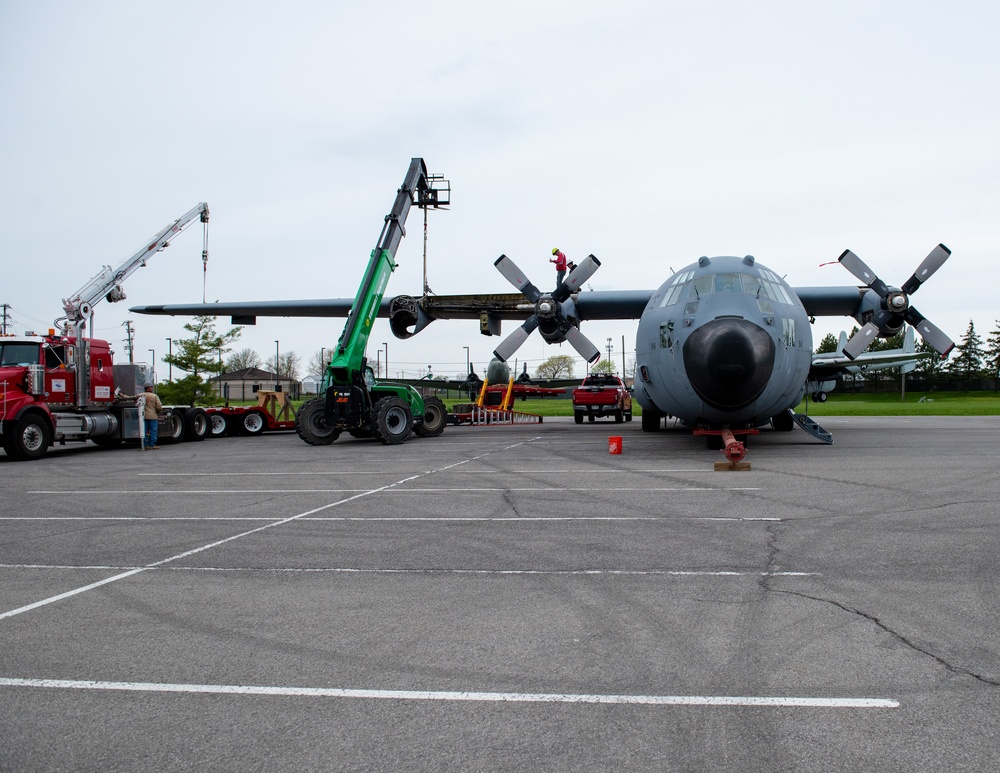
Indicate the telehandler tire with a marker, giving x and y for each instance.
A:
(435, 418)
(310, 423)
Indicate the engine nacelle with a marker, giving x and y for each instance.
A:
(405, 313)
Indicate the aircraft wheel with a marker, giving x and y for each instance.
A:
(29, 439)
(652, 421)
(392, 421)
(310, 423)
(435, 418)
(783, 422)
(821, 397)
(578, 417)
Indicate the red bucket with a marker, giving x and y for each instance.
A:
(615, 444)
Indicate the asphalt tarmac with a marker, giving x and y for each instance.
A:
(507, 598)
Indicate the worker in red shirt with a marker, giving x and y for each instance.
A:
(560, 261)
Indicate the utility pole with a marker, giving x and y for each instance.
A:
(6, 316)
(129, 338)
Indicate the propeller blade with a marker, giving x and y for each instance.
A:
(516, 277)
(860, 269)
(930, 332)
(513, 342)
(861, 340)
(934, 260)
(583, 345)
(577, 277)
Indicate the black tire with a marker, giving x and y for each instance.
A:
(652, 421)
(435, 418)
(591, 417)
(619, 416)
(172, 430)
(29, 439)
(253, 423)
(310, 423)
(392, 421)
(195, 424)
(578, 417)
(628, 415)
(783, 422)
(218, 424)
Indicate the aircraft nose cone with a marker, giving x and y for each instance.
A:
(729, 362)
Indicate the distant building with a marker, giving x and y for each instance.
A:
(311, 383)
(244, 384)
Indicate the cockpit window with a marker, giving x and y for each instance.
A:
(19, 354)
(767, 287)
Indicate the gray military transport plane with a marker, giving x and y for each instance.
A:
(724, 344)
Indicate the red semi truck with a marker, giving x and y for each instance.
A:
(56, 388)
(63, 386)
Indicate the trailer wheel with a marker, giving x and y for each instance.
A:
(310, 423)
(217, 424)
(253, 423)
(392, 421)
(435, 418)
(195, 424)
(174, 425)
(29, 439)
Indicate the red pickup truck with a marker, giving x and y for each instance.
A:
(602, 394)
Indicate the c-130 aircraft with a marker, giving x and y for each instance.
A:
(724, 345)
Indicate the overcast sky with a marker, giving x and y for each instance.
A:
(647, 133)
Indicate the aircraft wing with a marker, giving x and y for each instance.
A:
(834, 363)
(626, 304)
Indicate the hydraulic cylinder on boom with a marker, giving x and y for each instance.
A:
(352, 400)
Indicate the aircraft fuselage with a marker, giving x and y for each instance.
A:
(725, 342)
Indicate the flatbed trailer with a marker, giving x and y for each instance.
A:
(273, 413)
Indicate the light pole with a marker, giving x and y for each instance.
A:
(170, 355)
(322, 359)
(468, 367)
(378, 363)
(277, 366)
(152, 374)
(386, 345)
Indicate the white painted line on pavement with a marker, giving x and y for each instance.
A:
(435, 695)
(346, 570)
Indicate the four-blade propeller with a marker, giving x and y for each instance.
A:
(895, 305)
(548, 312)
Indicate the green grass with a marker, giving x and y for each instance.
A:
(842, 404)
(889, 404)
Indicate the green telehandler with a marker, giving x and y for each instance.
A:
(351, 400)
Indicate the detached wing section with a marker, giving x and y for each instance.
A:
(246, 312)
(409, 315)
